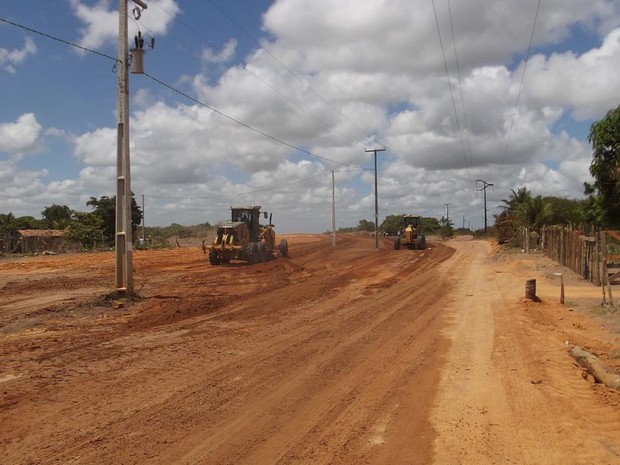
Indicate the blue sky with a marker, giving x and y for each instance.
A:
(331, 78)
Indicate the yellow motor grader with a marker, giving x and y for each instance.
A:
(409, 234)
(244, 238)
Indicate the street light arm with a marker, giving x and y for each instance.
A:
(486, 184)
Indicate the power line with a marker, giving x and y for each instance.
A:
(277, 60)
(264, 134)
(66, 42)
(245, 68)
(445, 63)
(251, 128)
(514, 118)
(458, 73)
(231, 19)
(238, 194)
(185, 25)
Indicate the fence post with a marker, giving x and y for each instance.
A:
(530, 289)
(607, 280)
(602, 262)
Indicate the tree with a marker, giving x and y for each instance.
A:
(105, 208)
(516, 198)
(28, 222)
(366, 226)
(87, 229)
(391, 224)
(7, 223)
(446, 225)
(508, 221)
(430, 225)
(57, 216)
(534, 212)
(566, 211)
(605, 169)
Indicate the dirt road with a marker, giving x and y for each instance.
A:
(333, 356)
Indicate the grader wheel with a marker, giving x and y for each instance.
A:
(214, 259)
(283, 248)
(251, 253)
(261, 252)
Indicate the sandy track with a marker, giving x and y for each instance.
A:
(343, 355)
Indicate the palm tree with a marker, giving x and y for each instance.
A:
(7, 223)
(534, 212)
(508, 222)
(517, 197)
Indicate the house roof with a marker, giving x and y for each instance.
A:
(41, 232)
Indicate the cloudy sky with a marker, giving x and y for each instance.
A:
(261, 100)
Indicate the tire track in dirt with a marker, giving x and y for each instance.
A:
(297, 349)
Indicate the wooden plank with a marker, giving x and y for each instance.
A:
(614, 234)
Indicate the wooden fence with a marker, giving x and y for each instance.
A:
(594, 255)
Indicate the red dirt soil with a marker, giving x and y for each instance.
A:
(332, 356)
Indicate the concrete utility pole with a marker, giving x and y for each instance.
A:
(123, 237)
(333, 210)
(143, 219)
(447, 212)
(484, 189)
(376, 198)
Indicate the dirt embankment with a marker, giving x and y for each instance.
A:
(344, 355)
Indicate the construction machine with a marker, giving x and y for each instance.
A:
(409, 234)
(244, 238)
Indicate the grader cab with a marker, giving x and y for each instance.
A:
(410, 234)
(244, 238)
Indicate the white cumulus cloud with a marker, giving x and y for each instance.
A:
(9, 59)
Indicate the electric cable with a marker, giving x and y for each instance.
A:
(445, 63)
(251, 128)
(277, 189)
(245, 68)
(58, 39)
(516, 111)
(238, 194)
(283, 65)
(258, 131)
(255, 76)
(458, 73)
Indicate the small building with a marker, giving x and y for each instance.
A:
(31, 241)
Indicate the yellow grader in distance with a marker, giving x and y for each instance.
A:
(409, 234)
(244, 238)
